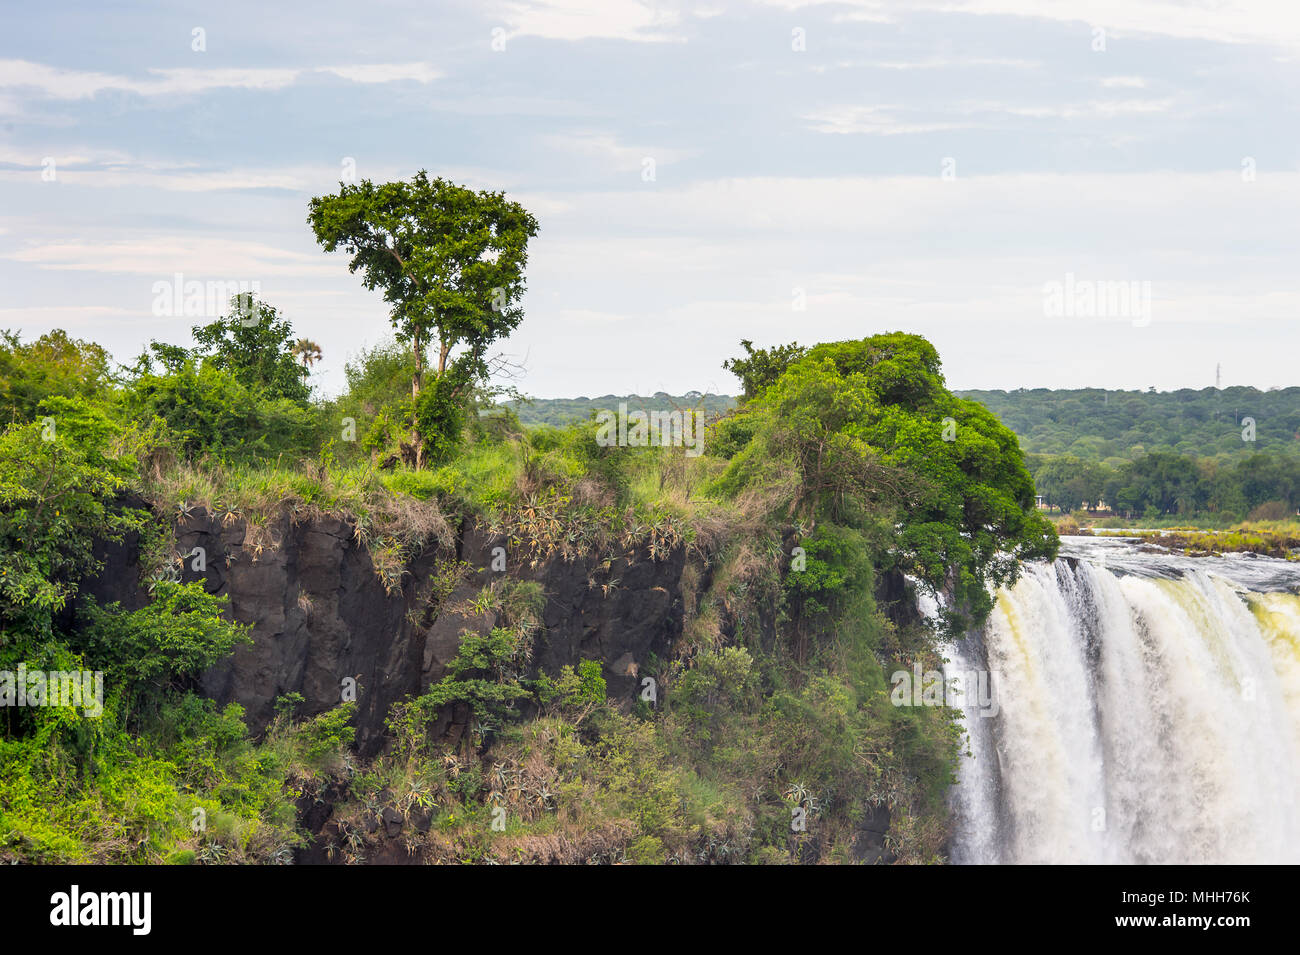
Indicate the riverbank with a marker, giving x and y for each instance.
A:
(1266, 538)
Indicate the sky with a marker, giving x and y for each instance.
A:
(1056, 194)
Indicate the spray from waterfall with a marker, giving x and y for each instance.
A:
(1148, 712)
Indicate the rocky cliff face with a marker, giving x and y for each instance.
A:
(320, 613)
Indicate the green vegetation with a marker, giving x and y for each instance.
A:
(560, 412)
(869, 424)
(1167, 486)
(847, 466)
(1212, 456)
(144, 770)
(451, 262)
(1116, 426)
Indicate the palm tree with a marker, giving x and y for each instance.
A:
(307, 352)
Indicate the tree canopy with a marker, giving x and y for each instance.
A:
(871, 422)
(449, 260)
(256, 345)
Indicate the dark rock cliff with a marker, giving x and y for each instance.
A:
(320, 613)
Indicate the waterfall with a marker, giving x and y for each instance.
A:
(1147, 711)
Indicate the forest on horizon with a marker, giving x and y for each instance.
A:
(1095, 424)
(1208, 454)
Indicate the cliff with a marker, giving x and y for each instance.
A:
(320, 613)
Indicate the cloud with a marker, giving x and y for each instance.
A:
(74, 171)
(1261, 22)
(88, 317)
(883, 120)
(1090, 109)
(592, 19)
(385, 72)
(1123, 82)
(912, 216)
(610, 152)
(160, 256)
(588, 316)
(931, 63)
(951, 63)
(873, 120)
(110, 169)
(56, 83)
(1268, 22)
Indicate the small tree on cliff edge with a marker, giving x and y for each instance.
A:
(450, 261)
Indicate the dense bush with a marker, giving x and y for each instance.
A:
(870, 423)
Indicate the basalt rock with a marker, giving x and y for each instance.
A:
(320, 614)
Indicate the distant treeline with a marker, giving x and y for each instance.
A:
(1116, 426)
(561, 411)
(1091, 424)
(1258, 487)
(1143, 454)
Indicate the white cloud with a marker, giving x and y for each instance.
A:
(1123, 82)
(681, 273)
(609, 151)
(926, 207)
(873, 120)
(57, 83)
(110, 169)
(161, 256)
(177, 179)
(884, 120)
(1264, 22)
(89, 318)
(28, 158)
(385, 72)
(930, 63)
(1271, 22)
(950, 63)
(588, 316)
(1091, 109)
(591, 19)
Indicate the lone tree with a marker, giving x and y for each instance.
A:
(450, 261)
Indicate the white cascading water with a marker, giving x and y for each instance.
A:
(1147, 711)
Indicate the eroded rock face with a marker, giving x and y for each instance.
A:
(321, 617)
(320, 614)
(620, 615)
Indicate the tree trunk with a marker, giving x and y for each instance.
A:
(416, 381)
(417, 378)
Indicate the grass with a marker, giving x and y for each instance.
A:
(540, 487)
(395, 525)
